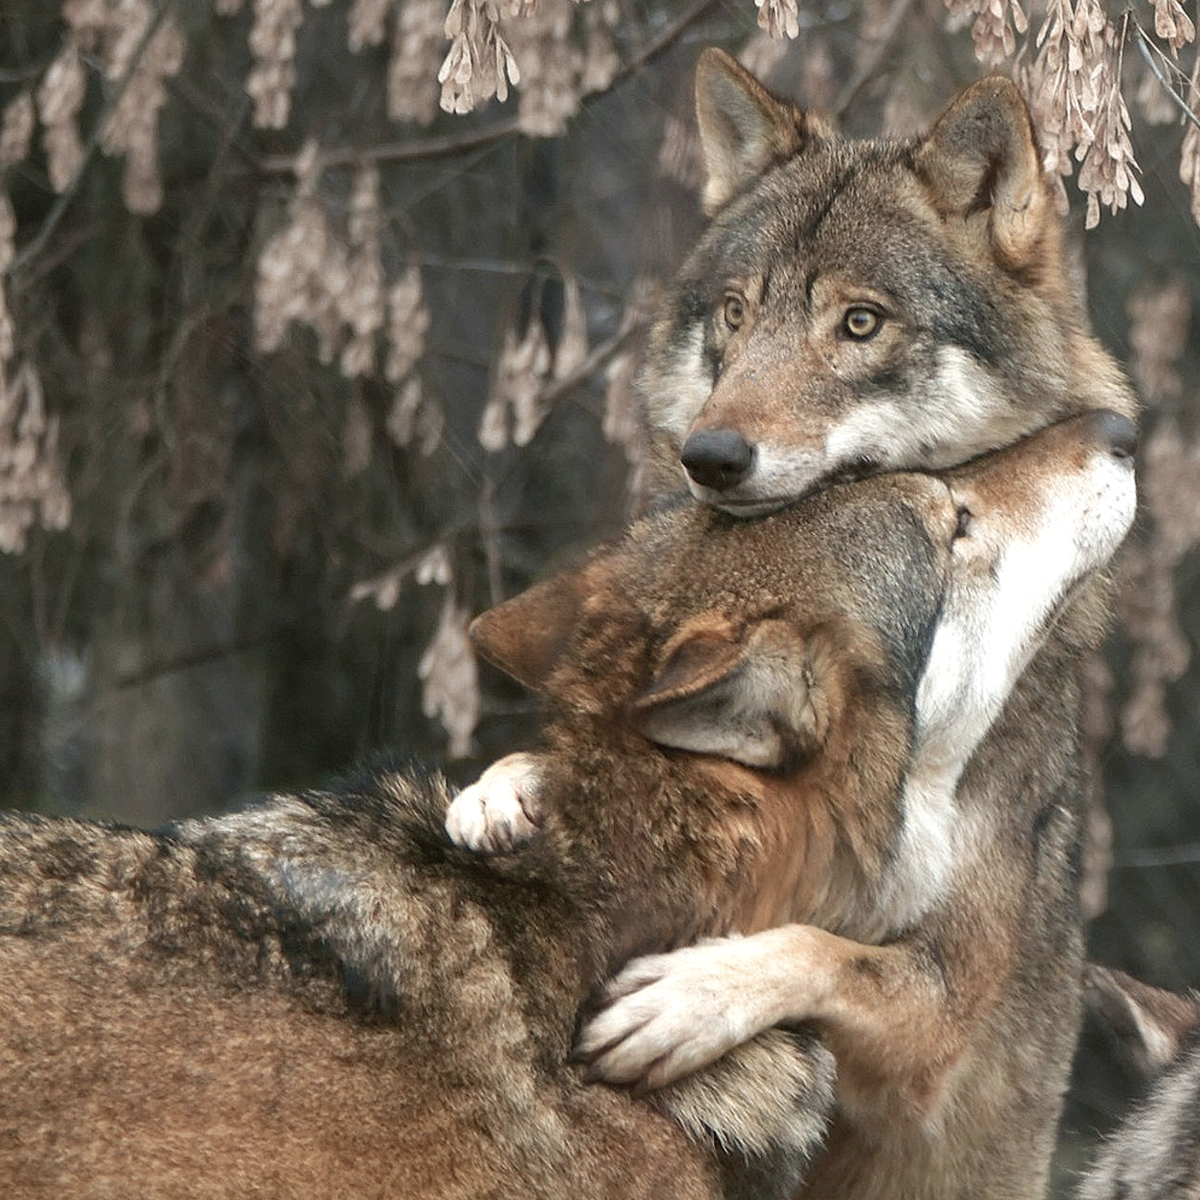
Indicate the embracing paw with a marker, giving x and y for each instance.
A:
(501, 810)
(667, 1015)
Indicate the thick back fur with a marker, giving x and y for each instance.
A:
(318, 997)
(855, 306)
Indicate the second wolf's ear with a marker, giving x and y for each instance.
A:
(526, 636)
(755, 695)
(982, 156)
(743, 128)
(1150, 1023)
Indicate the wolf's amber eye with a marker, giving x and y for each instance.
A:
(735, 310)
(963, 527)
(861, 323)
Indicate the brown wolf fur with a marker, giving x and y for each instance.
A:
(317, 998)
(321, 997)
(1154, 1154)
(857, 306)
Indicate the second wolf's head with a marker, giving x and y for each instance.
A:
(839, 660)
(856, 306)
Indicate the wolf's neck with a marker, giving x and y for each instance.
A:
(670, 856)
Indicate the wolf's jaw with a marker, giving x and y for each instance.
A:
(746, 510)
(749, 507)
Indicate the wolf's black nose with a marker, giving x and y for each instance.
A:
(717, 458)
(1115, 431)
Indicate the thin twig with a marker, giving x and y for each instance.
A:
(879, 51)
(1146, 47)
(458, 143)
(599, 357)
(58, 210)
(21, 74)
(1168, 856)
(201, 657)
(665, 40)
(434, 147)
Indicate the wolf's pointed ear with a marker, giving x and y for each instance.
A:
(527, 635)
(743, 128)
(754, 695)
(1150, 1023)
(982, 156)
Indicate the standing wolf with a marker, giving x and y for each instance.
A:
(856, 307)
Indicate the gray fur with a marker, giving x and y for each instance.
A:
(1154, 1153)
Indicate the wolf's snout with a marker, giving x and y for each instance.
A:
(717, 458)
(1115, 431)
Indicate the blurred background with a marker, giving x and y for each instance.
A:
(311, 347)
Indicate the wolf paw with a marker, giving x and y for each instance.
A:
(501, 810)
(666, 1015)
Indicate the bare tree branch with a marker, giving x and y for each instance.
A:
(599, 357)
(439, 147)
(1148, 50)
(879, 51)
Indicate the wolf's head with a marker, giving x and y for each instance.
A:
(856, 306)
(834, 664)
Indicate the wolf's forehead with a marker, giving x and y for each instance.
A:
(815, 191)
(853, 209)
(812, 195)
(855, 545)
(863, 553)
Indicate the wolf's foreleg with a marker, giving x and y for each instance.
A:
(883, 1010)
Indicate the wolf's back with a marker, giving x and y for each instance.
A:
(320, 997)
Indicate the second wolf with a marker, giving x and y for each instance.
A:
(852, 307)
(320, 997)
